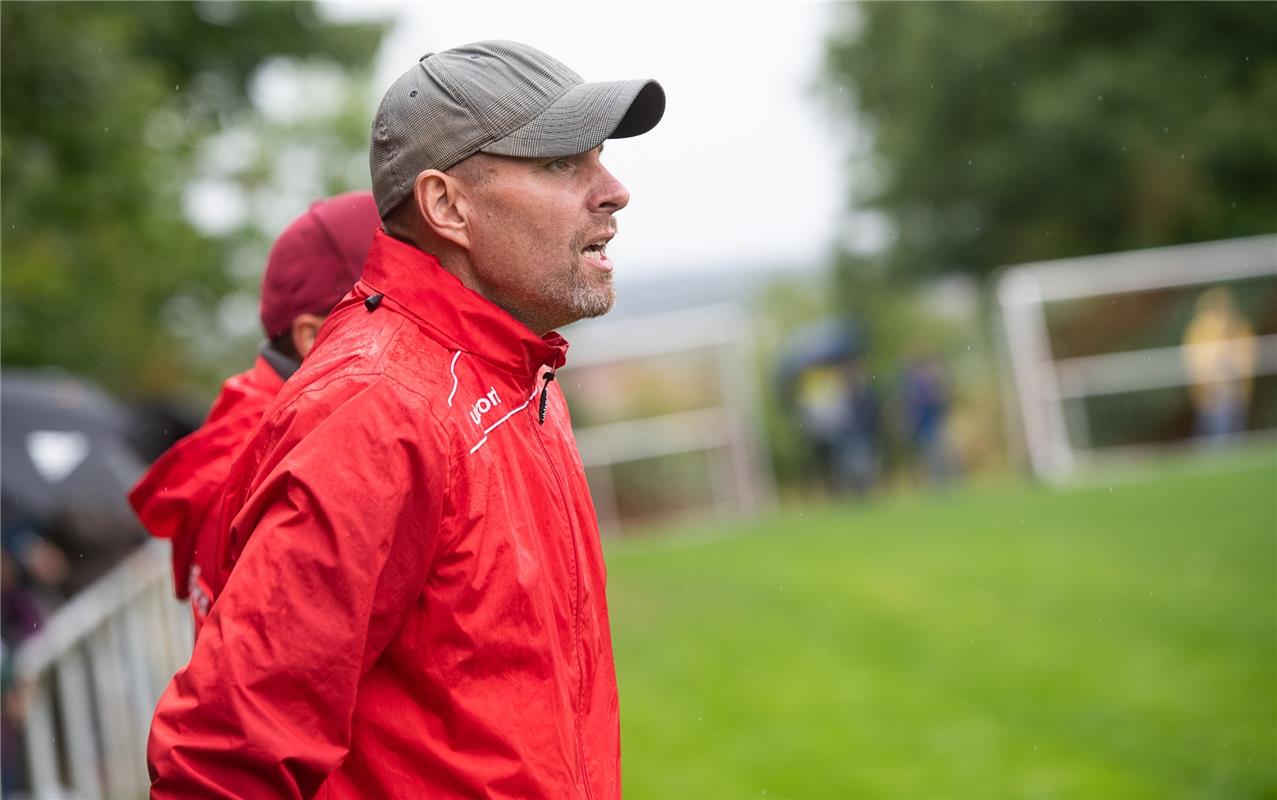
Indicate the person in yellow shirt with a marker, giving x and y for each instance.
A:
(1219, 358)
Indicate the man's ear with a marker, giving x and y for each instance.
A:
(443, 206)
(305, 329)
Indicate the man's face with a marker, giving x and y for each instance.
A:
(538, 233)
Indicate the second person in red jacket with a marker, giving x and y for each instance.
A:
(312, 264)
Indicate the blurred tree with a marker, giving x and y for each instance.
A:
(111, 113)
(1007, 132)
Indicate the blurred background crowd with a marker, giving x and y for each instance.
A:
(960, 326)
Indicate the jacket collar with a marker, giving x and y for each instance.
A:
(281, 366)
(461, 317)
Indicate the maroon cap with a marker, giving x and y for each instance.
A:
(317, 258)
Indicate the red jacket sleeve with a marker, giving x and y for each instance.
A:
(341, 526)
(179, 496)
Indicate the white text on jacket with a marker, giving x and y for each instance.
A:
(484, 405)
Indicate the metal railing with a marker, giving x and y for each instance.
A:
(94, 673)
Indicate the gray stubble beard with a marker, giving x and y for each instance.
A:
(589, 301)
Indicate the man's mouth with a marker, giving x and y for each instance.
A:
(596, 253)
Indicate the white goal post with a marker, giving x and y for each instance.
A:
(1044, 383)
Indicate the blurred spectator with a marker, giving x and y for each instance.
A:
(858, 452)
(20, 610)
(312, 265)
(1219, 357)
(13, 710)
(26, 560)
(824, 380)
(33, 573)
(925, 395)
(35, 558)
(823, 408)
(838, 411)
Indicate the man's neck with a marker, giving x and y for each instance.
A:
(458, 263)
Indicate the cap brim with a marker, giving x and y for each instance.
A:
(583, 117)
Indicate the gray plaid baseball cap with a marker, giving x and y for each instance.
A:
(497, 97)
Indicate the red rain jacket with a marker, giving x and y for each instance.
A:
(179, 497)
(417, 607)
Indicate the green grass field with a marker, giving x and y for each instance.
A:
(1016, 641)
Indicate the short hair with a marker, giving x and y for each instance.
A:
(402, 221)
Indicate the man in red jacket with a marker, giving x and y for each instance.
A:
(313, 263)
(417, 605)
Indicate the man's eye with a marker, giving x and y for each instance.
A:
(559, 163)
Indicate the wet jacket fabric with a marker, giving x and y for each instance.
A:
(179, 497)
(417, 603)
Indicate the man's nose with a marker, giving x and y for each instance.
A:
(611, 195)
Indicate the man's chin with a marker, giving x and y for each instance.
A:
(595, 302)
(599, 309)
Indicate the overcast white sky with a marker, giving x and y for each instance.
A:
(745, 167)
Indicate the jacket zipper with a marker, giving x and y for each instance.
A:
(577, 600)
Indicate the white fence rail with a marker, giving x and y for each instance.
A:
(728, 432)
(94, 673)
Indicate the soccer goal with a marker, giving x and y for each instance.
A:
(667, 416)
(1126, 354)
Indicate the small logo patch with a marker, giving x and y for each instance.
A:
(483, 405)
